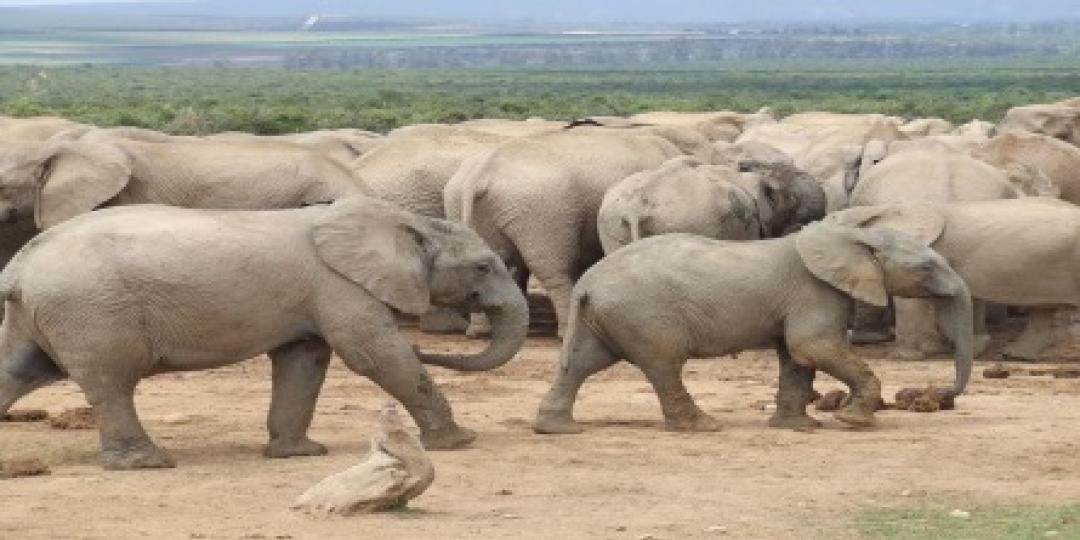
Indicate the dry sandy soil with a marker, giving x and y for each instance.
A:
(1010, 441)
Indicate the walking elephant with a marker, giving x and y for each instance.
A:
(155, 287)
(766, 200)
(535, 200)
(1022, 252)
(665, 299)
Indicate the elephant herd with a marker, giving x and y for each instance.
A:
(659, 237)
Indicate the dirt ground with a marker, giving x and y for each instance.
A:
(1010, 441)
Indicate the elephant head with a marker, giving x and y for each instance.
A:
(1054, 120)
(899, 238)
(60, 179)
(787, 196)
(412, 263)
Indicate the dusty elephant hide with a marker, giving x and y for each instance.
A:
(395, 470)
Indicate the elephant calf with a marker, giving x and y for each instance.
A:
(160, 289)
(668, 298)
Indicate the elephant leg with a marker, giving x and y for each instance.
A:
(795, 392)
(389, 361)
(824, 348)
(582, 355)
(124, 442)
(1036, 336)
(22, 372)
(680, 411)
(298, 372)
(916, 332)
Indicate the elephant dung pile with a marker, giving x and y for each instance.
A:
(18, 468)
(25, 415)
(77, 418)
(929, 399)
(395, 470)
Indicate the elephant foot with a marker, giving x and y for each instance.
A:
(907, 354)
(868, 337)
(698, 422)
(855, 416)
(1022, 352)
(793, 421)
(280, 448)
(555, 424)
(144, 457)
(450, 439)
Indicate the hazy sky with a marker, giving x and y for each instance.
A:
(628, 10)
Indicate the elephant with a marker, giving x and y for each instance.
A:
(344, 145)
(665, 299)
(71, 174)
(768, 199)
(534, 200)
(1058, 160)
(688, 139)
(932, 175)
(1057, 120)
(155, 287)
(996, 246)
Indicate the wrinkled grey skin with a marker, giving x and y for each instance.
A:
(661, 301)
(716, 201)
(1021, 252)
(534, 200)
(160, 289)
(76, 172)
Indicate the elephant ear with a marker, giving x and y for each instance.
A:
(923, 222)
(840, 256)
(380, 247)
(77, 177)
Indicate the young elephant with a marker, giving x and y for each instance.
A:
(665, 299)
(160, 289)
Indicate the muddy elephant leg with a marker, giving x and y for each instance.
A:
(24, 371)
(583, 357)
(916, 333)
(795, 392)
(820, 344)
(680, 411)
(1036, 336)
(298, 371)
(124, 442)
(389, 361)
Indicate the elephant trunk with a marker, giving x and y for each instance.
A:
(957, 316)
(509, 328)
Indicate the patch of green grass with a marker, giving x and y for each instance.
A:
(984, 523)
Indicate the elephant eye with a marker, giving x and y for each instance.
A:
(483, 268)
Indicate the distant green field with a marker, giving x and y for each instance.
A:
(277, 101)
